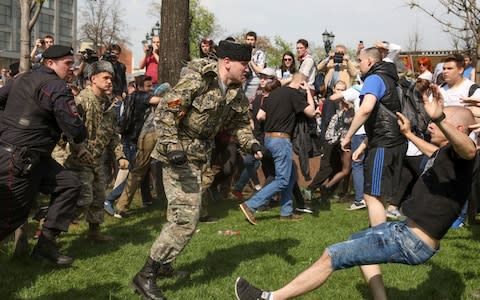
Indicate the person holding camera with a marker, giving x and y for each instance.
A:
(40, 46)
(150, 59)
(337, 66)
(119, 79)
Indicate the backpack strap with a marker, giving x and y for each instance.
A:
(472, 89)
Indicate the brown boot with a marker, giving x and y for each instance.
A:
(94, 234)
(145, 281)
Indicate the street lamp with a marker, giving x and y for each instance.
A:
(328, 38)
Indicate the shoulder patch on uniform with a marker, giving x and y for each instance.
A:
(174, 103)
(72, 108)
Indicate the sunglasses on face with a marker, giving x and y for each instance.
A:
(287, 59)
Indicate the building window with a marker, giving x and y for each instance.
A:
(46, 23)
(66, 6)
(5, 14)
(49, 4)
(66, 27)
(4, 40)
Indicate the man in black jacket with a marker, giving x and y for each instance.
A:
(38, 107)
(386, 145)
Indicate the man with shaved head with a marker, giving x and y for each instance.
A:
(444, 184)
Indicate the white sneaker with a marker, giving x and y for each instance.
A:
(304, 209)
(357, 205)
(393, 214)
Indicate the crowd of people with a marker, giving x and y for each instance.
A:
(405, 141)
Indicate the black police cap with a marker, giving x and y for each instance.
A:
(234, 51)
(57, 51)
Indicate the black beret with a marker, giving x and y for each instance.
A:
(234, 51)
(57, 51)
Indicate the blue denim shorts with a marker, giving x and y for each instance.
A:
(391, 242)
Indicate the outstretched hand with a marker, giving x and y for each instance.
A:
(404, 124)
(434, 105)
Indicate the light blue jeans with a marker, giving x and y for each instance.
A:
(390, 242)
(281, 150)
(357, 168)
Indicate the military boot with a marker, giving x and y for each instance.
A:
(166, 270)
(47, 249)
(94, 234)
(145, 281)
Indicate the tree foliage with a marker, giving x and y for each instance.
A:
(102, 23)
(203, 23)
(460, 18)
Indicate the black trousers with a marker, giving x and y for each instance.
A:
(17, 194)
(330, 164)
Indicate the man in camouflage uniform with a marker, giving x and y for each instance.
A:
(86, 158)
(206, 99)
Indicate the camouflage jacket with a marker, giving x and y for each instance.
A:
(99, 118)
(196, 109)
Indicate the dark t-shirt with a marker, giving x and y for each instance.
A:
(257, 125)
(440, 193)
(281, 107)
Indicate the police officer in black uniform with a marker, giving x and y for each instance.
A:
(37, 107)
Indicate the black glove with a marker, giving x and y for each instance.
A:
(257, 147)
(177, 157)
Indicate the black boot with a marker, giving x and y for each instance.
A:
(47, 249)
(166, 270)
(145, 281)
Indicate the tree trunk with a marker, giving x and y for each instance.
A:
(174, 41)
(477, 67)
(25, 64)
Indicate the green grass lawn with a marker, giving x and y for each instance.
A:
(268, 255)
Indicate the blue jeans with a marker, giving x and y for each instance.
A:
(281, 150)
(390, 242)
(357, 168)
(116, 192)
(250, 166)
(130, 151)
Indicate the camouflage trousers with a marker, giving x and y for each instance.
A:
(183, 188)
(92, 191)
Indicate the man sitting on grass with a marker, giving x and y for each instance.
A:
(436, 201)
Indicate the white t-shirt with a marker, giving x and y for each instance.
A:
(451, 96)
(352, 95)
(308, 68)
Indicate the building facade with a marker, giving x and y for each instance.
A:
(57, 18)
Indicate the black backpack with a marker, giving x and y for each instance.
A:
(411, 106)
(126, 122)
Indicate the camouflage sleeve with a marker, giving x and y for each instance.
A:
(119, 153)
(174, 105)
(240, 123)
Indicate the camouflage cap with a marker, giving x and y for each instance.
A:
(234, 51)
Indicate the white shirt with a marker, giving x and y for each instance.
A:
(352, 95)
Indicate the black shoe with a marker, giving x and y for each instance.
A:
(166, 270)
(246, 291)
(145, 281)
(47, 249)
